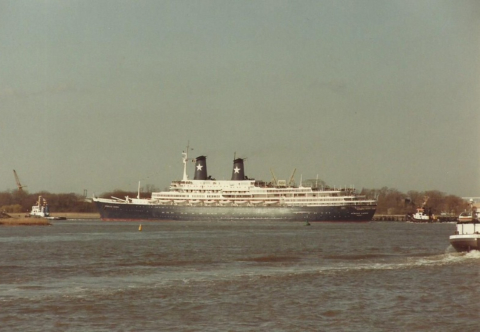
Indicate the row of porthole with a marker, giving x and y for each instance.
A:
(326, 213)
(134, 209)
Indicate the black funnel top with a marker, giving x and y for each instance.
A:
(200, 168)
(238, 173)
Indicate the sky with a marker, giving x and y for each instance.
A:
(98, 95)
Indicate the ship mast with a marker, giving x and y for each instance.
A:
(185, 158)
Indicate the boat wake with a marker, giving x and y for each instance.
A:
(474, 254)
(214, 274)
(403, 264)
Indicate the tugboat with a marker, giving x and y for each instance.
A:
(41, 210)
(467, 232)
(241, 198)
(423, 213)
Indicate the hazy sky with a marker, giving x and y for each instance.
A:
(98, 95)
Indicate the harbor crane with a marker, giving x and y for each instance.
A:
(17, 179)
(291, 182)
(274, 178)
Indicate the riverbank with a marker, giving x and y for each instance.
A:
(402, 217)
(24, 222)
(77, 215)
(20, 220)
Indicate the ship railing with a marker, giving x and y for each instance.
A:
(331, 203)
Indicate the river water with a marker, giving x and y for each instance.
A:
(236, 276)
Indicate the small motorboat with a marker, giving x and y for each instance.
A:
(467, 236)
(467, 232)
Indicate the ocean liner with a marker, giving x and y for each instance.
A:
(240, 198)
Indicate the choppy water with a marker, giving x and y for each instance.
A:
(239, 276)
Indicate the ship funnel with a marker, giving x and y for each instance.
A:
(200, 168)
(238, 172)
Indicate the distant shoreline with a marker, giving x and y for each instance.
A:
(24, 222)
(21, 220)
(77, 215)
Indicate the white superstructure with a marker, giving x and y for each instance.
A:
(240, 196)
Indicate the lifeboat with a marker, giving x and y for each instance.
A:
(271, 202)
(162, 201)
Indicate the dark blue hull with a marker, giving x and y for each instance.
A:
(127, 212)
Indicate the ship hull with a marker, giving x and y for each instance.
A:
(465, 242)
(466, 237)
(139, 212)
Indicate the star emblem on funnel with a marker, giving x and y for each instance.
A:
(199, 167)
(236, 169)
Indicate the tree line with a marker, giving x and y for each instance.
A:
(20, 201)
(393, 202)
(390, 201)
